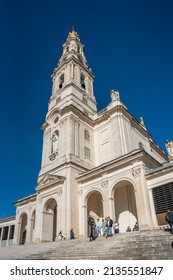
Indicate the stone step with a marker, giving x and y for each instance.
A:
(134, 245)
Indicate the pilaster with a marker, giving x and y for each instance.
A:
(46, 147)
(38, 220)
(77, 124)
(63, 137)
(106, 201)
(142, 199)
(70, 133)
(17, 229)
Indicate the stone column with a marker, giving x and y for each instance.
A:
(38, 220)
(106, 202)
(112, 208)
(8, 235)
(85, 221)
(59, 213)
(63, 208)
(17, 229)
(153, 213)
(82, 216)
(67, 217)
(18, 237)
(28, 235)
(91, 88)
(142, 199)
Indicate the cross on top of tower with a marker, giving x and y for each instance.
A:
(73, 28)
(73, 33)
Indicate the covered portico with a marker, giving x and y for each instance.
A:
(117, 189)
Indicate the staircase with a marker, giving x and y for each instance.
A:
(142, 245)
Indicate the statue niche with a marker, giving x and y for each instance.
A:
(54, 145)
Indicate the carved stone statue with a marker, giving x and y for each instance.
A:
(54, 143)
(141, 121)
(115, 95)
(169, 147)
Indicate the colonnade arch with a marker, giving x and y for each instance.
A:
(49, 224)
(94, 203)
(124, 204)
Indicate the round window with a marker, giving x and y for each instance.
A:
(56, 120)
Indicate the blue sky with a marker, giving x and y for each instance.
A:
(128, 45)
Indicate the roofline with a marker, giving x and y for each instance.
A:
(7, 219)
(135, 154)
(24, 199)
(165, 167)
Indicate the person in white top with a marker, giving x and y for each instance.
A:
(116, 227)
(98, 227)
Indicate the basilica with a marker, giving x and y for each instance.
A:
(94, 163)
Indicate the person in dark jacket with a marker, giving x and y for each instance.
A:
(169, 219)
(71, 234)
(110, 223)
(91, 226)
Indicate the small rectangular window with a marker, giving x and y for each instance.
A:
(87, 135)
(87, 153)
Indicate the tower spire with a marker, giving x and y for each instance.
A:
(72, 78)
(73, 33)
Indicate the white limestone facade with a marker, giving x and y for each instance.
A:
(94, 164)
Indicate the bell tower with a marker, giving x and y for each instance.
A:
(71, 109)
(72, 79)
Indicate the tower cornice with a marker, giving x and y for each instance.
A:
(69, 60)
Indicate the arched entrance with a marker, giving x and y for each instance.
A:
(49, 220)
(125, 205)
(23, 228)
(94, 207)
